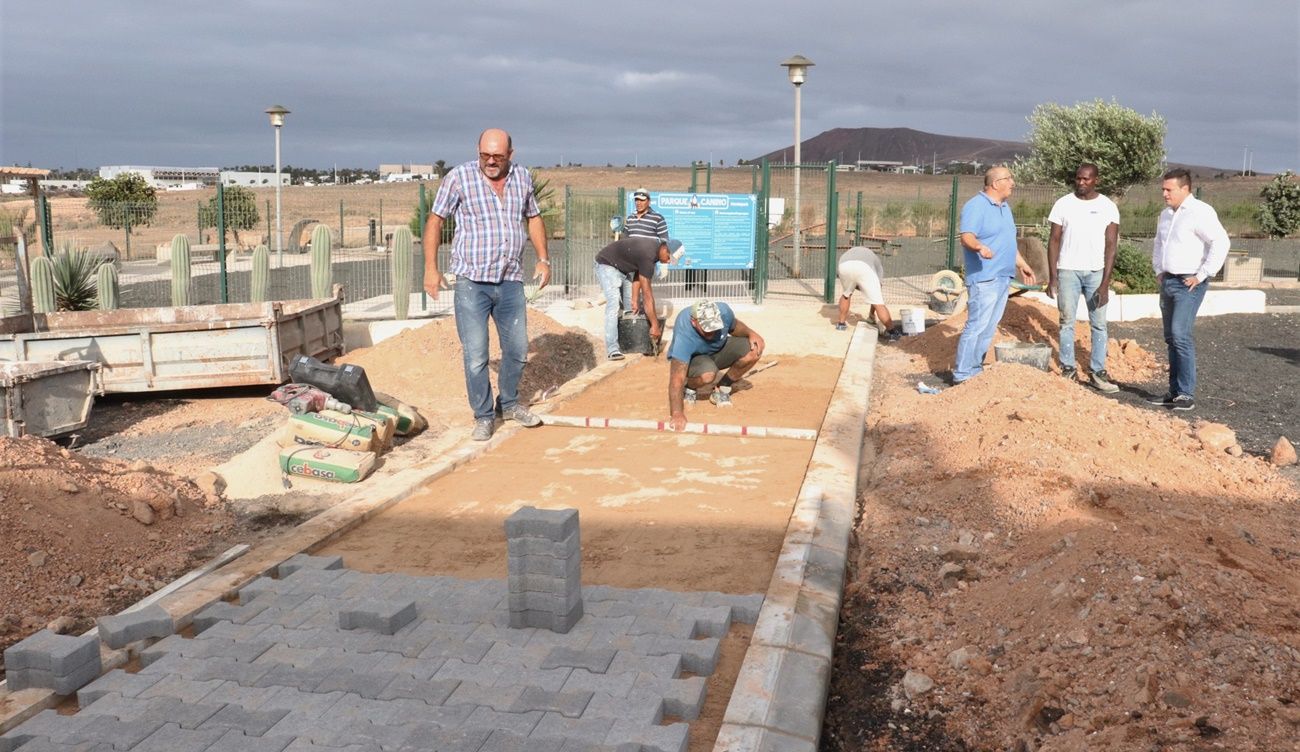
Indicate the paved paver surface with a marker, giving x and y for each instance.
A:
(276, 672)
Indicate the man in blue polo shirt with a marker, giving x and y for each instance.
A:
(988, 238)
(708, 339)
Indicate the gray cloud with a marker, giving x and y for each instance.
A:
(84, 83)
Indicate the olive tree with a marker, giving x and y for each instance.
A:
(238, 208)
(1127, 147)
(1279, 206)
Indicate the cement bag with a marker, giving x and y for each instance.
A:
(324, 463)
(336, 431)
(409, 419)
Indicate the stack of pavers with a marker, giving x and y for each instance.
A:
(280, 671)
(545, 568)
(61, 663)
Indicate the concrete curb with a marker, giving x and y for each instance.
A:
(780, 693)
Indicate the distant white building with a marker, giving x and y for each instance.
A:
(252, 179)
(164, 177)
(409, 169)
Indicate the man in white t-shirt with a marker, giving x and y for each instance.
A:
(1080, 257)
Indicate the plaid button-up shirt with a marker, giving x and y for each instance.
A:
(490, 231)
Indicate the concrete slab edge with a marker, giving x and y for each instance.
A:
(17, 707)
(780, 693)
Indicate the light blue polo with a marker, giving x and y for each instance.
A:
(993, 225)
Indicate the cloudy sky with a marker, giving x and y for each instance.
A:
(92, 82)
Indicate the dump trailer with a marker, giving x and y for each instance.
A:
(188, 347)
(46, 399)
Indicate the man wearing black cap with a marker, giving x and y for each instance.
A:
(645, 222)
(623, 269)
(708, 340)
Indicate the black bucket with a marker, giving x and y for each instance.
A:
(634, 334)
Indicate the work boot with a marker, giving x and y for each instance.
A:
(521, 415)
(1070, 372)
(483, 429)
(719, 398)
(1101, 382)
(688, 396)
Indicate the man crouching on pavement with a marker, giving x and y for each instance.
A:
(707, 339)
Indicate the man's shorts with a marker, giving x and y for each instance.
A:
(735, 349)
(859, 275)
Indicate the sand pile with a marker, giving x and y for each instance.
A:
(1028, 320)
(1073, 573)
(423, 366)
(76, 543)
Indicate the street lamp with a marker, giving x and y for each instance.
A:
(276, 113)
(797, 67)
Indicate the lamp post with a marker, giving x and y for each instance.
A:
(276, 113)
(797, 67)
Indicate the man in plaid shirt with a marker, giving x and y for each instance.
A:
(491, 201)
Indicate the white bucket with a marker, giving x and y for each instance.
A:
(913, 320)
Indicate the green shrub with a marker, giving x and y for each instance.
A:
(1278, 213)
(74, 280)
(1132, 272)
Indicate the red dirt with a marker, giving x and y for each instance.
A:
(1116, 581)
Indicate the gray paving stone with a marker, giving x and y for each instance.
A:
(639, 706)
(581, 680)
(555, 603)
(301, 745)
(102, 729)
(552, 524)
(366, 733)
(515, 723)
(44, 744)
(698, 656)
(60, 684)
(420, 669)
(173, 738)
(467, 652)
(565, 587)
(666, 666)
(285, 675)
(556, 726)
(430, 736)
(562, 549)
(306, 561)
(595, 660)
(303, 703)
(249, 697)
(243, 674)
(229, 613)
(547, 619)
(662, 626)
(364, 684)
(431, 691)
(236, 741)
(554, 566)
(501, 636)
(682, 698)
(711, 621)
(296, 657)
(47, 724)
(575, 745)
(120, 630)
(180, 688)
(567, 704)
(248, 721)
(505, 741)
(502, 699)
(262, 586)
(57, 654)
(670, 738)
(116, 681)
(201, 647)
(744, 608)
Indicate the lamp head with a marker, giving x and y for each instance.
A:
(797, 67)
(277, 113)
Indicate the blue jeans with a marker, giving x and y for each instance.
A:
(1178, 307)
(1070, 284)
(504, 302)
(988, 299)
(618, 296)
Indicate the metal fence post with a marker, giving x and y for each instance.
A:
(221, 242)
(952, 226)
(341, 243)
(268, 223)
(422, 218)
(198, 220)
(126, 225)
(832, 232)
(857, 222)
(382, 240)
(764, 249)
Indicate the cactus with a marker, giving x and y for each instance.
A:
(401, 272)
(322, 274)
(180, 271)
(43, 284)
(106, 286)
(261, 274)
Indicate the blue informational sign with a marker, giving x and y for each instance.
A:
(716, 229)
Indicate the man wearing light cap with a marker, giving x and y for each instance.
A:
(645, 222)
(707, 340)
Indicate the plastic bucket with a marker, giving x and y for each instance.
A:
(1036, 354)
(913, 320)
(634, 334)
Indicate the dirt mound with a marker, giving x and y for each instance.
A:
(1074, 573)
(423, 366)
(74, 544)
(1028, 320)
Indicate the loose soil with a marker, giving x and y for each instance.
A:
(1051, 569)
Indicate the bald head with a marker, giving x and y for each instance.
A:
(998, 183)
(494, 152)
(994, 174)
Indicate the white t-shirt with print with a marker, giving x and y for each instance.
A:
(1083, 230)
